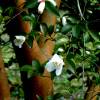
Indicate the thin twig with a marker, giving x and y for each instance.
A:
(14, 16)
(80, 11)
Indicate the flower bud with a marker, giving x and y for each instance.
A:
(41, 7)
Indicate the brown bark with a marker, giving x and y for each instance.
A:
(41, 85)
(4, 86)
(92, 92)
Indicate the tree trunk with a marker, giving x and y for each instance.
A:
(4, 86)
(38, 85)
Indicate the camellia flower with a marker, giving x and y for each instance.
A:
(55, 64)
(41, 6)
(19, 40)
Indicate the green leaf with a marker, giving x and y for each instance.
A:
(10, 11)
(86, 36)
(57, 96)
(66, 28)
(50, 7)
(50, 98)
(97, 45)
(95, 36)
(30, 39)
(70, 56)
(89, 45)
(27, 18)
(61, 41)
(37, 67)
(31, 4)
(51, 29)
(98, 80)
(76, 83)
(28, 69)
(44, 28)
(72, 65)
(75, 31)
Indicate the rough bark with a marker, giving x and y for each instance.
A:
(92, 92)
(42, 86)
(4, 86)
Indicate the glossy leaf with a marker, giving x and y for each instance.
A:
(67, 28)
(95, 36)
(30, 39)
(37, 67)
(31, 4)
(28, 69)
(27, 18)
(76, 31)
(51, 29)
(50, 7)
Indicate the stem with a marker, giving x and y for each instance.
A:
(15, 16)
(83, 62)
(80, 11)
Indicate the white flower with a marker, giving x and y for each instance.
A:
(41, 6)
(64, 22)
(53, 2)
(19, 40)
(55, 64)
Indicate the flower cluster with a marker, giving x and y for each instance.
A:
(55, 64)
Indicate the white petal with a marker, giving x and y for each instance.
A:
(64, 22)
(59, 70)
(56, 58)
(20, 37)
(39, 0)
(50, 67)
(19, 41)
(41, 7)
(53, 2)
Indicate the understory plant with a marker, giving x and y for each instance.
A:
(68, 44)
